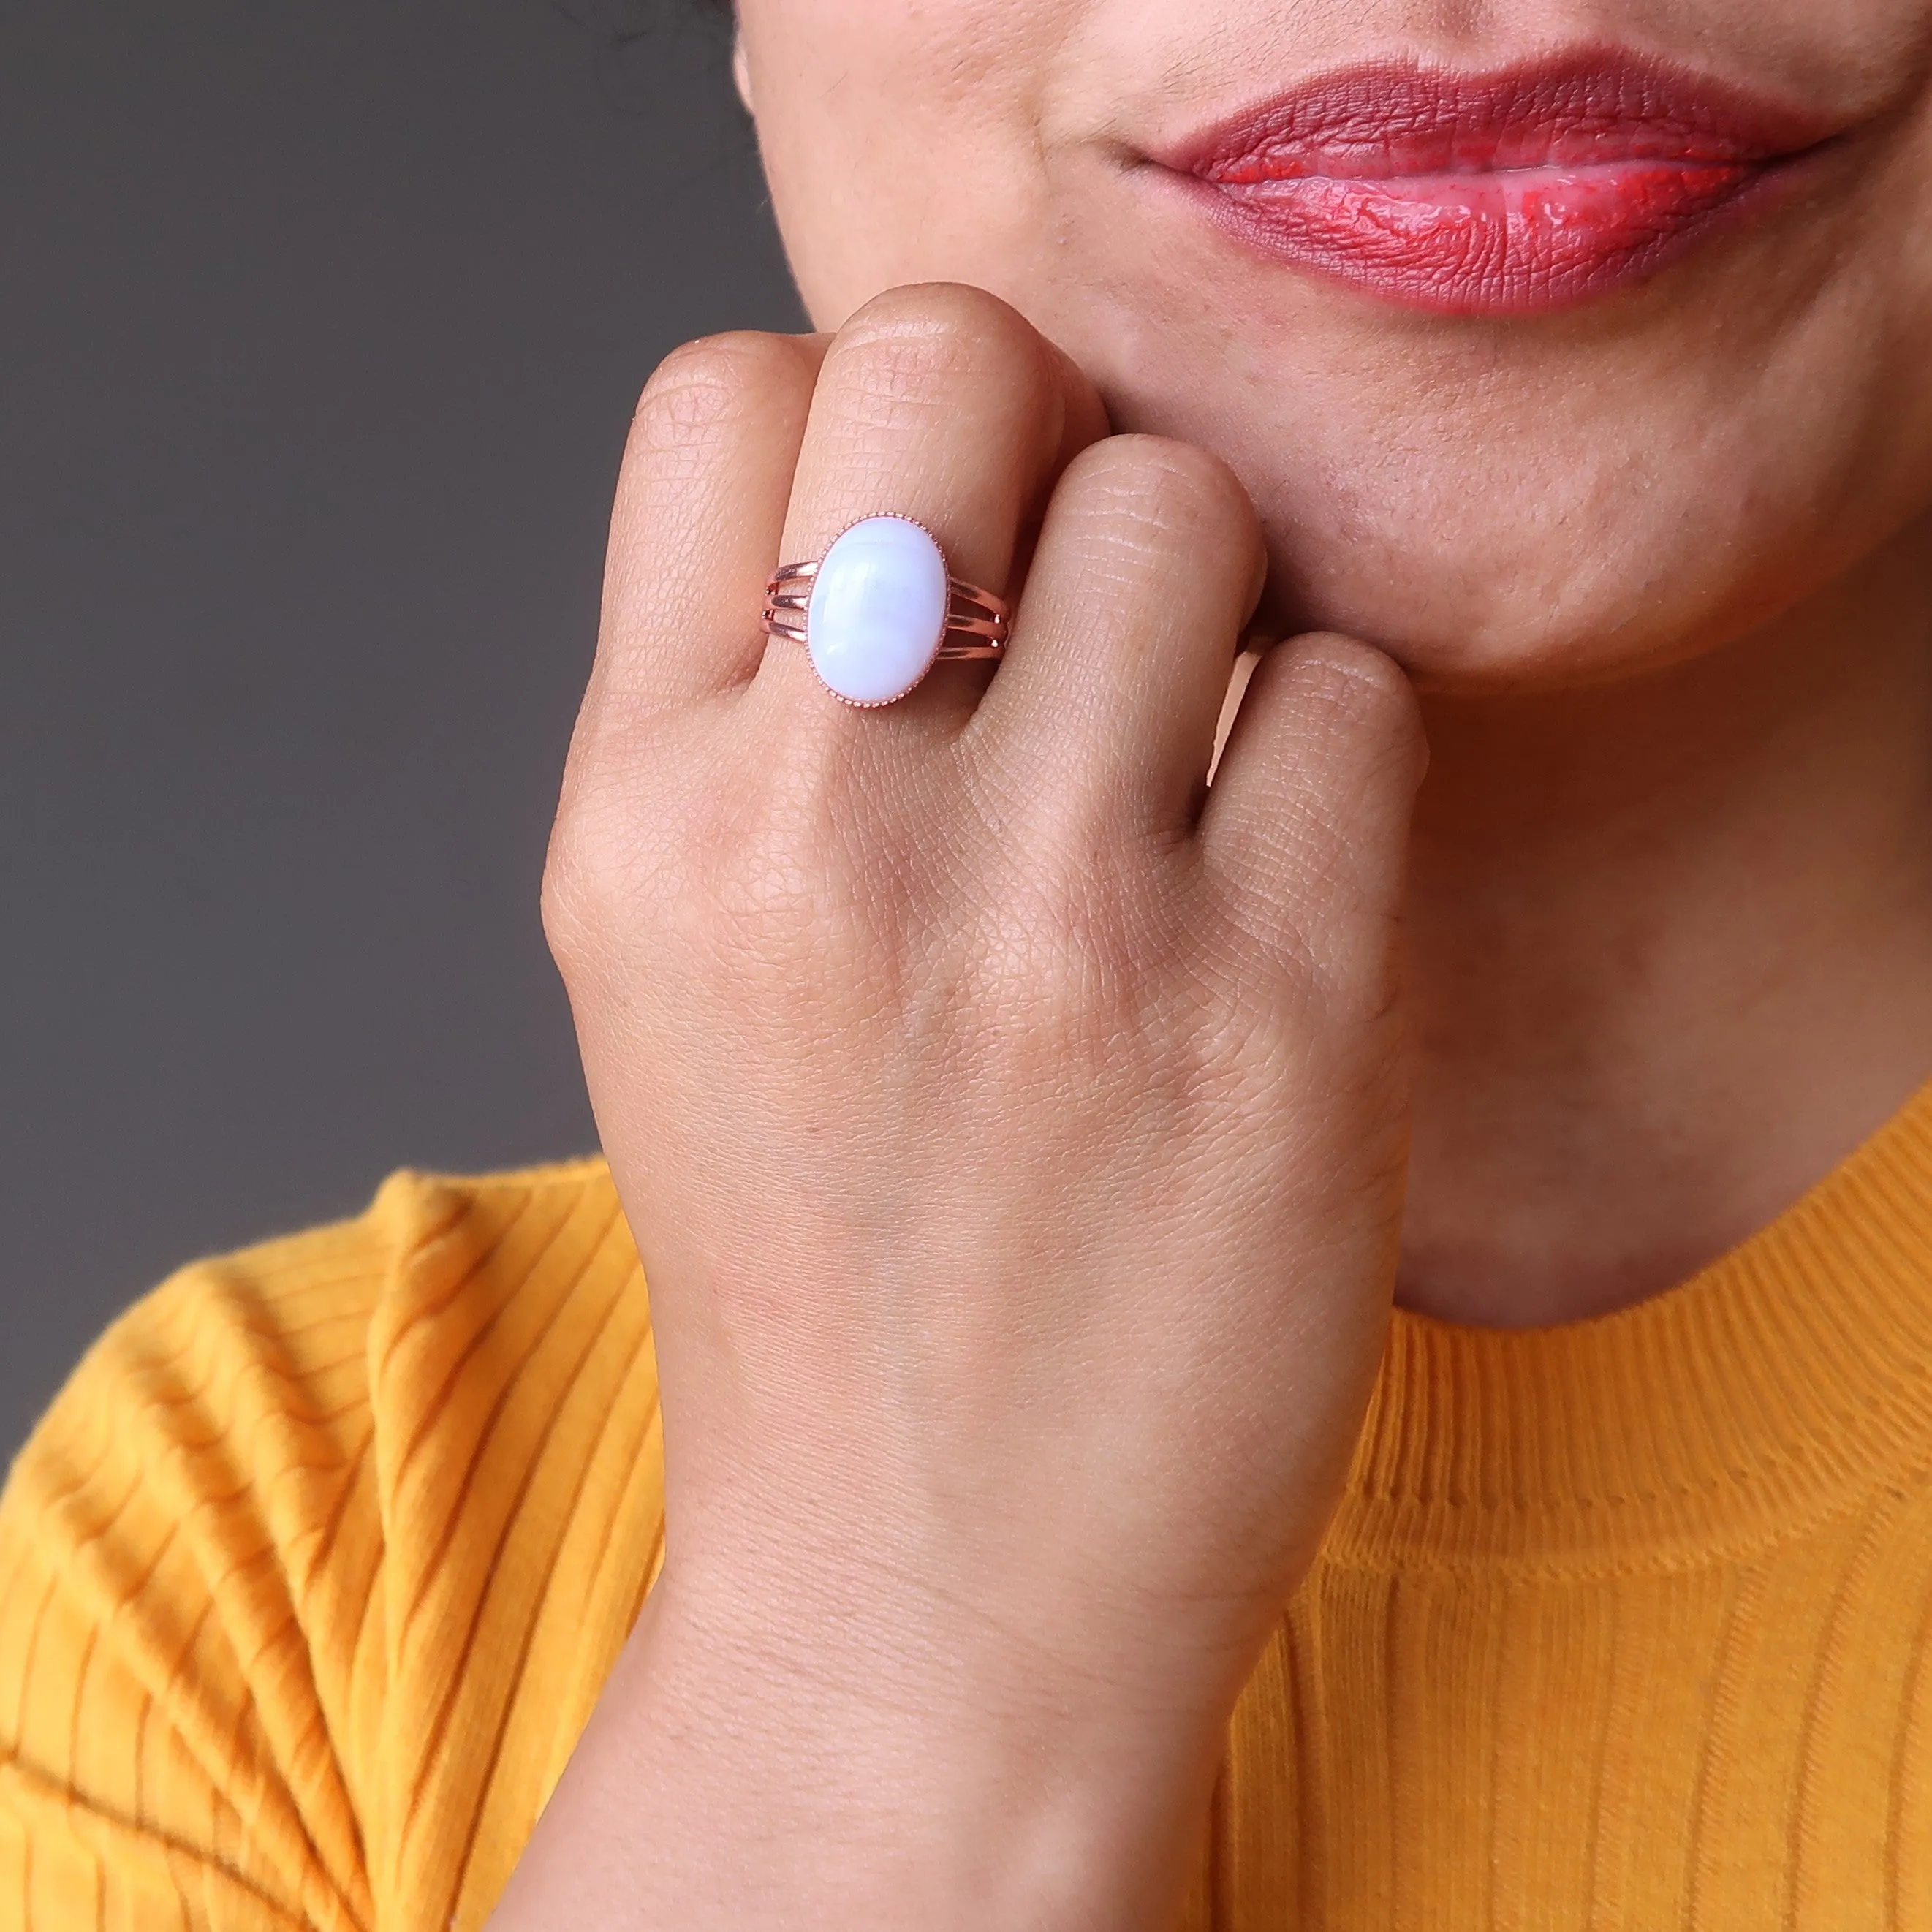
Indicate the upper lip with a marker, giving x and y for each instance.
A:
(1382, 119)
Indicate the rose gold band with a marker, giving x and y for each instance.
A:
(975, 620)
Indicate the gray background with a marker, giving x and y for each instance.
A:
(320, 323)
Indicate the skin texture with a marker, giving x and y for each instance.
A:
(1016, 1130)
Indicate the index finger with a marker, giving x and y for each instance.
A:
(699, 508)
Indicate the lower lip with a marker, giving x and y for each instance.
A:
(1510, 241)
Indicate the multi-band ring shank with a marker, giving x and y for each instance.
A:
(975, 620)
(890, 571)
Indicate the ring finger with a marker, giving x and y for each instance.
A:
(943, 405)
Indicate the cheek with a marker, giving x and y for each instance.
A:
(899, 140)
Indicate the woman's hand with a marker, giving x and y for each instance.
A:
(1012, 1129)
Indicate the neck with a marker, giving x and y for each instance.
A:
(1671, 948)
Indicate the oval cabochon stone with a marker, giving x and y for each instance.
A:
(877, 610)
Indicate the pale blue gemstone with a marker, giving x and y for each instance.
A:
(877, 610)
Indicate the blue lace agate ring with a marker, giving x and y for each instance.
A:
(879, 609)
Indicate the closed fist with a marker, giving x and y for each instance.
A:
(1011, 1124)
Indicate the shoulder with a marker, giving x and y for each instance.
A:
(337, 1535)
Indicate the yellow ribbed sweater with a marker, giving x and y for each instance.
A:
(309, 1581)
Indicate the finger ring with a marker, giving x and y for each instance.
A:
(879, 609)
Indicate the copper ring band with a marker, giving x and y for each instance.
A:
(976, 620)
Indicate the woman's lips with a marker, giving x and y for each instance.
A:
(1497, 193)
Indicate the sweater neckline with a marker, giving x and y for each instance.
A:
(1773, 1391)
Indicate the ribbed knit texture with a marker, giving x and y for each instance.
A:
(310, 1580)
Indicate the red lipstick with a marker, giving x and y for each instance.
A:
(1499, 193)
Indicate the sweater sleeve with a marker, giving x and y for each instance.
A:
(189, 1608)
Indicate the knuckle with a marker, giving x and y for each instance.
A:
(608, 863)
(764, 879)
(703, 385)
(765, 874)
(911, 344)
(951, 310)
(1358, 691)
(567, 897)
(751, 894)
(1168, 488)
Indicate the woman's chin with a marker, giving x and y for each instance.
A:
(1454, 635)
